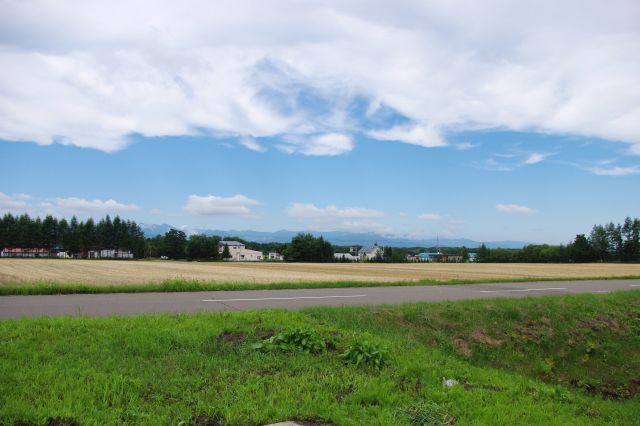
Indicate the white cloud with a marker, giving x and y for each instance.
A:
(535, 158)
(81, 206)
(212, 205)
(329, 144)
(310, 211)
(252, 144)
(11, 203)
(514, 209)
(464, 146)
(332, 218)
(92, 73)
(421, 135)
(615, 171)
(429, 216)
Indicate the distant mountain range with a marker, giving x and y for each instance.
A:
(337, 238)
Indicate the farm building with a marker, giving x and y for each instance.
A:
(435, 257)
(370, 252)
(346, 256)
(275, 256)
(110, 254)
(25, 252)
(239, 253)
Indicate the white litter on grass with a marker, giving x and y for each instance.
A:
(447, 383)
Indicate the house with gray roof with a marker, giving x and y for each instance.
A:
(370, 252)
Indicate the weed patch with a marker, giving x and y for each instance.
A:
(427, 414)
(366, 354)
(304, 340)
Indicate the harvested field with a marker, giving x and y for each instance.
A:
(109, 272)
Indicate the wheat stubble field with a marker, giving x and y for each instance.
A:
(100, 272)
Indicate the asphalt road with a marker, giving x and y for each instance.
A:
(217, 301)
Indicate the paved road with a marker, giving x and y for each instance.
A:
(140, 303)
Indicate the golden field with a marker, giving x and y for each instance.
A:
(106, 272)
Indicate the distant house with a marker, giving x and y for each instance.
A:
(275, 256)
(239, 253)
(110, 254)
(25, 252)
(435, 257)
(370, 252)
(426, 257)
(346, 256)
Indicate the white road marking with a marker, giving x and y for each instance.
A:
(600, 291)
(634, 285)
(284, 298)
(522, 290)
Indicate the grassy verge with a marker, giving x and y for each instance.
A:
(539, 361)
(41, 287)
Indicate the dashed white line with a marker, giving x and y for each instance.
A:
(284, 298)
(522, 290)
(634, 285)
(600, 291)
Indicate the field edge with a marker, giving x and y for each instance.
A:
(174, 286)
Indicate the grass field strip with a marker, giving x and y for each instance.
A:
(523, 290)
(284, 298)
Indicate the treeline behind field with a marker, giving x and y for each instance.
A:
(73, 236)
(605, 243)
(175, 244)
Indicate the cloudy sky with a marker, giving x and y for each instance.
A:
(481, 119)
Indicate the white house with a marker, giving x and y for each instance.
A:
(275, 256)
(25, 252)
(239, 253)
(110, 254)
(370, 252)
(345, 256)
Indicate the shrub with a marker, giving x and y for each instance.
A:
(366, 353)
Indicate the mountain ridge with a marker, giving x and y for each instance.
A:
(341, 238)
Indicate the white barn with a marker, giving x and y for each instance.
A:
(370, 252)
(239, 253)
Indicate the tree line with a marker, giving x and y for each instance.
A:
(606, 243)
(175, 244)
(73, 236)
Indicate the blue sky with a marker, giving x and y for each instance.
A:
(488, 123)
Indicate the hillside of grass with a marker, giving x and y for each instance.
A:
(549, 360)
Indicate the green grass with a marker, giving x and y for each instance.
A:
(517, 361)
(43, 287)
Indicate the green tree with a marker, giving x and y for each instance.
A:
(202, 247)
(599, 242)
(225, 253)
(580, 250)
(174, 244)
(307, 248)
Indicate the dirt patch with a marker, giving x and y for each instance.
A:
(232, 337)
(313, 422)
(205, 421)
(480, 336)
(603, 323)
(265, 334)
(61, 421)
(535, 331)
(611, 391)
(462, 347)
